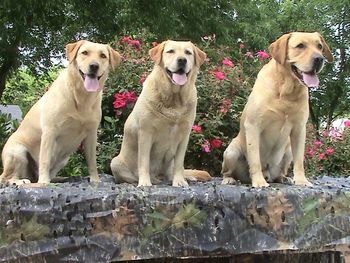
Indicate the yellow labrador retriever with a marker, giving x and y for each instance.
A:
(272, 126)
(67, 115)
(157, 131)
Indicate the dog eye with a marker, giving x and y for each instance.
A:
(85, 53)
(301, 45)
(103, 56)
(170, 51)
(319, 46)
(187, 52)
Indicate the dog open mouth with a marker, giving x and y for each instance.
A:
(91, 83)
(310, 79)
(178, 77)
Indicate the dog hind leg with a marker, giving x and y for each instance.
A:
(121, 172)
(15, 165)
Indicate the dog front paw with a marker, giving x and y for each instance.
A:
(95, 179)
(228, 180)
(258, 180)
(43, 180)
(302, 182)
(144, 182)
(180, 182)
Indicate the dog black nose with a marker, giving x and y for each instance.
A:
(93, 67)
(181, 62)
(318, 62)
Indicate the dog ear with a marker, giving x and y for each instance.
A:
(114, 57)
(279, 49)
(156, 52)
(72, 50)
(200, 56)
(326, 50)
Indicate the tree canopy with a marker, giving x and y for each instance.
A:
(34, 32)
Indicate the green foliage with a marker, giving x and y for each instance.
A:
(23, 89)
(7, 127)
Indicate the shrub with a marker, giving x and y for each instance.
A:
(224, 83)
(328, 153)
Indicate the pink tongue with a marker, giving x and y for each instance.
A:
(180, 79)
(311, 80)
(91, 84)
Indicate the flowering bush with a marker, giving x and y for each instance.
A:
(328, 153)
(224, 83)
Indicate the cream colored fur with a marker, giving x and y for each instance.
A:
(157, 131)
(66, 116)
(273, 122)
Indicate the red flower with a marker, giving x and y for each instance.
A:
(135, 43)
(241, 46)
(310, 152)
(216, 143)
(347, 123)
(329, 151)
(322, 156)
(219, 75)
(262, 54)
(119, 104)
(124, 98)
(126, 39)
(197, 128)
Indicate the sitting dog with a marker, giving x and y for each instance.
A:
(157, 131)
(67, 115)
(273, 122)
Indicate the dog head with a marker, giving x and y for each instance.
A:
(92, 61)
(179, 59)
(304, 53)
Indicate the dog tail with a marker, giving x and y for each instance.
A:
(197, 175)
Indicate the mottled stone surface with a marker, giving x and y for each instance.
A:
(86, 222)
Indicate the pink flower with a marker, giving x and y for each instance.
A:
(216, 143)
(249, 54)
(197, 128)
(347, 123)
(322, 156)
(310, 152)
(143, 78)
(135, 43)
(227, 62)
(317, 143)
(241, 46)
(117, 104)
(219, 75)
(262, 54)
(126, 39)
(224, 106)
(329, 151)
(206, 146)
